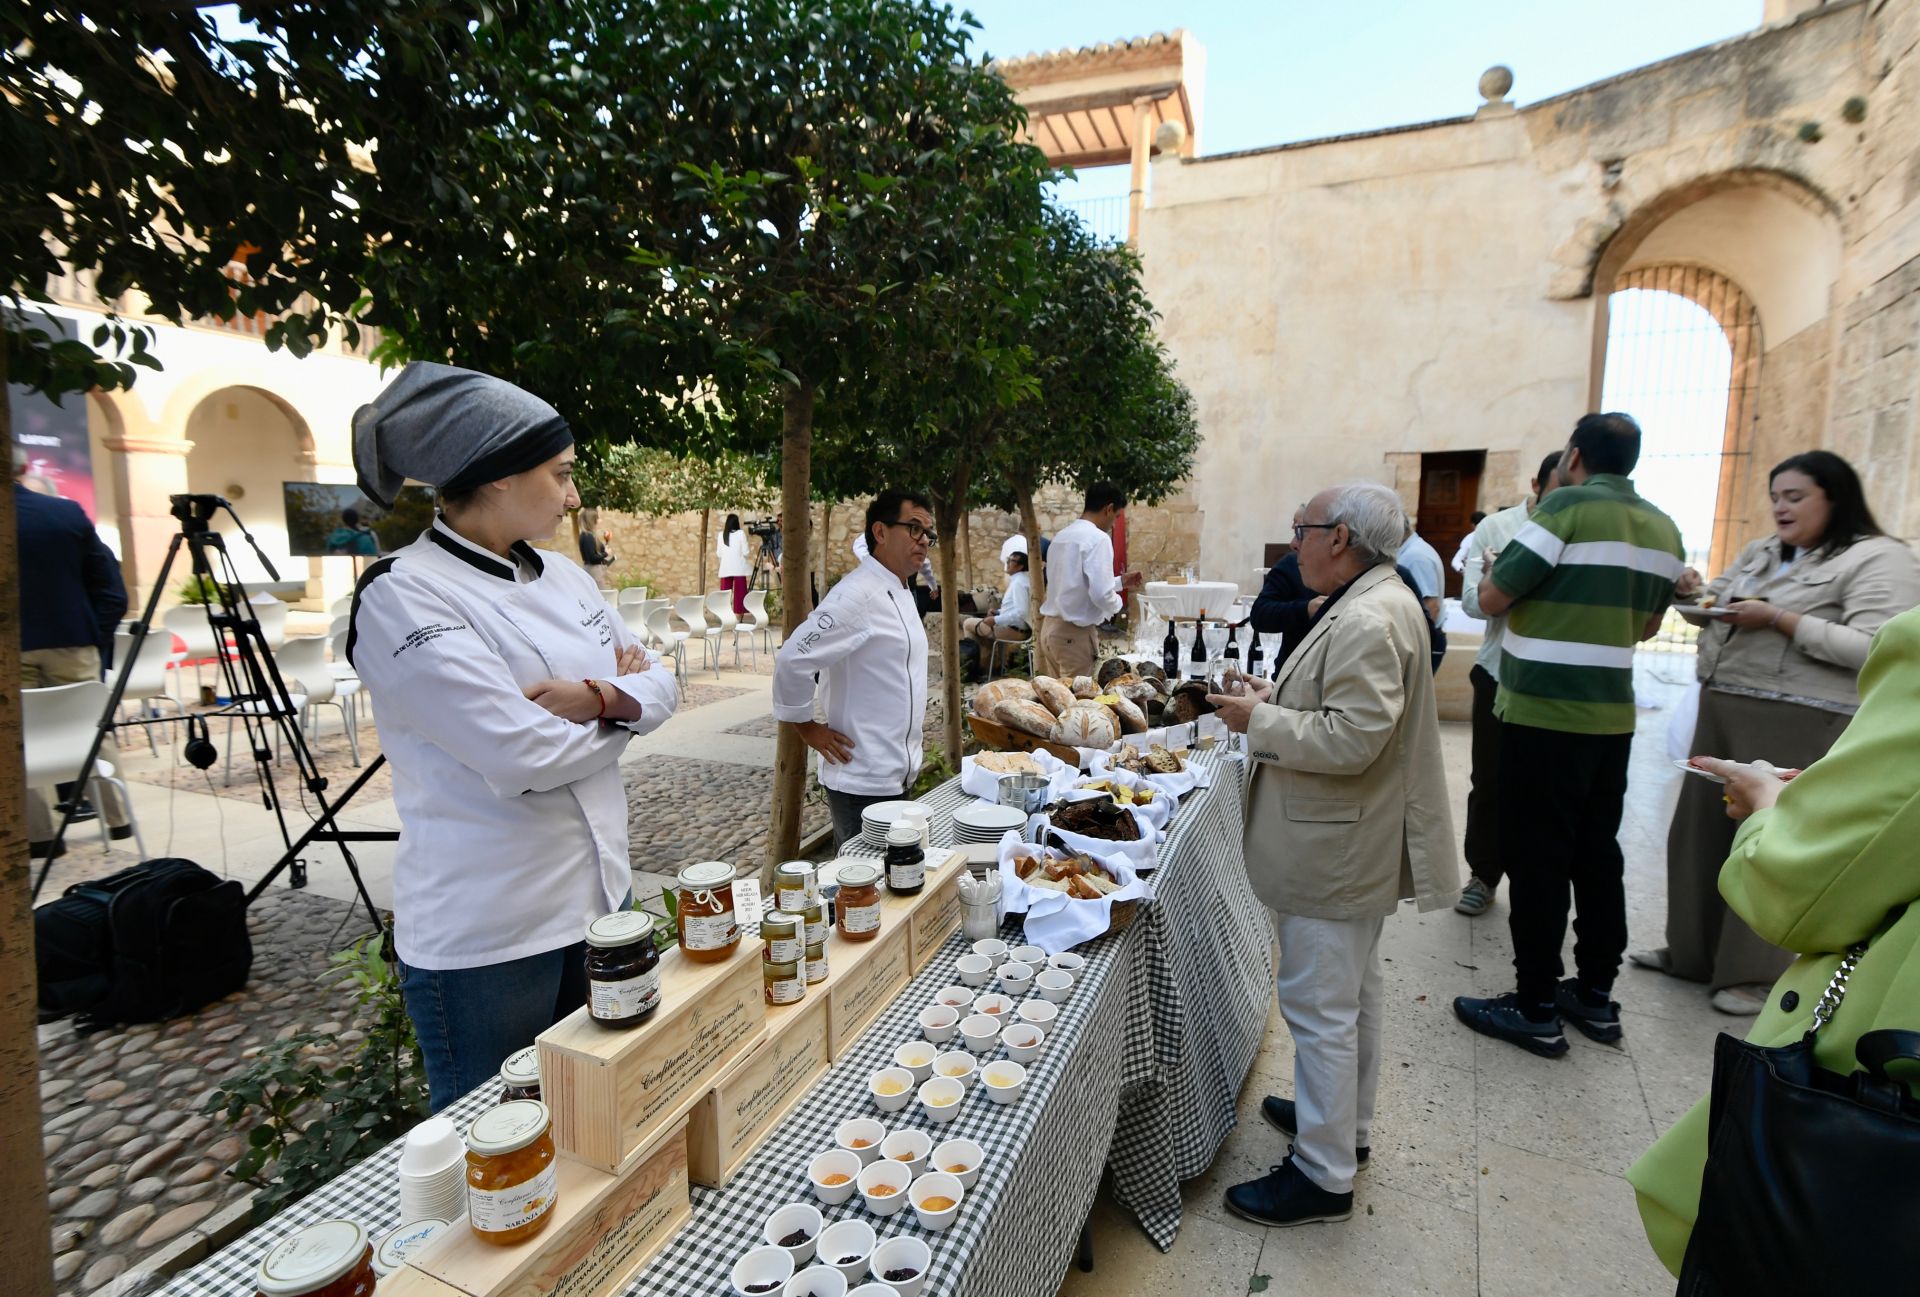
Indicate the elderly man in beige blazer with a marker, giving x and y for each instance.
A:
(1347, 816)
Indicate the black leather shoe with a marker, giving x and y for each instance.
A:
(1282, 1116)
(1501, 1017)
(1284, 1196)
(1601, 1023)
(38, 850)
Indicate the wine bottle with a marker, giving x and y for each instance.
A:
(1170, 653)
(1232, 651)
(1197, 660)
(1256, 665)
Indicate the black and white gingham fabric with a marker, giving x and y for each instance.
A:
(1139, 1074)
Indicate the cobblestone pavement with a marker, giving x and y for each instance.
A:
(702, 810)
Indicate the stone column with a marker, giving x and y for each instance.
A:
(147, 471)
(1142, 150)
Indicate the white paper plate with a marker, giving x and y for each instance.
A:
(1696, 770)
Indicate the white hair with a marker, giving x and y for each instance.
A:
(1376, 522)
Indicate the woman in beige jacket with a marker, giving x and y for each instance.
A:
(1785, 631)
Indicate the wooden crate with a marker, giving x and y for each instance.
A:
(999, 738)
(604, 1228)
(612, 1092)
(750, 1098)
(937, 916)
(876, 971)
(408, 1282)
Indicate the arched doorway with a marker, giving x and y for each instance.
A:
(1683, 354)
(246, 442)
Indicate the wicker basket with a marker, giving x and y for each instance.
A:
(998, 738)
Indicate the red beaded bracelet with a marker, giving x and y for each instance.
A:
(599, 694)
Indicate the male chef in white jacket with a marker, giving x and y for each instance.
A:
(867, 650)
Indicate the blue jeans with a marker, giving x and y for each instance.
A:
(468, 1020)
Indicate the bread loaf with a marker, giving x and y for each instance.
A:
(995, 691)
(1088, 725)
(1132, 719)
(1055, 696)
(1025, 716)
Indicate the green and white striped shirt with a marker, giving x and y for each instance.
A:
(1591, 567)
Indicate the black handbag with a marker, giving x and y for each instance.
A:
(1812, 1182)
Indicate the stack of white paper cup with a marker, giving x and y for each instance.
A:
(433, 1172)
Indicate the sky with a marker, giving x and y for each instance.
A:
(1285, 70)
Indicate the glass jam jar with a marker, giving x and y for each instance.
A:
(520, 1075)
(906, 862)
(623, 969)
(330, 1258)
(817, 925)
(859, 901)
(708, 932)
(781, 941)
(405, 1243)
(783, 983)
(795, 886)
(511, 1177)
(816, 963)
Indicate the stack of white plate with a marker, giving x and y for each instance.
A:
(985, 822)
(879, 817)
(433, 1172)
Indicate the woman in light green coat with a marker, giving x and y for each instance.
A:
(1825, 861)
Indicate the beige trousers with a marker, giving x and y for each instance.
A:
(1069, 650)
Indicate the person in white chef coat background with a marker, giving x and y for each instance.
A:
(507, 693)
(867, 648)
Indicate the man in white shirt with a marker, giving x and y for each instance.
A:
(1483, 811)
(1422, 562)
(1011, 621)
(866, 649)
(1082, 590)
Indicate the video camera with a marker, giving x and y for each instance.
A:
(764, 529)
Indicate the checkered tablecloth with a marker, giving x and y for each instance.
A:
(1139, 1075)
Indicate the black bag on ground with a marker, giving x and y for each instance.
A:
(153, 941)
(1810, 1175)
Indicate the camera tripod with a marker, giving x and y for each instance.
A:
(257, 696)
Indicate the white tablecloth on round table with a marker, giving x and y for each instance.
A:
(1215, 598)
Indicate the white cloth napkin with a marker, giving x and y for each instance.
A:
(1158, 812)
(1056, 921)
(1142, 854)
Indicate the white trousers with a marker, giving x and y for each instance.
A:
(1329, 986)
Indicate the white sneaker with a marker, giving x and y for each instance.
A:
(1740, 1001)
(1475, 899)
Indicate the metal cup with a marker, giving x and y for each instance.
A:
(1026, 793)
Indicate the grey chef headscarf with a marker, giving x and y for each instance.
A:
(451, 428)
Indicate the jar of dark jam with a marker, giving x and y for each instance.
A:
(520, 1075)
(623, 969)
(906, 862)
(330, 1258)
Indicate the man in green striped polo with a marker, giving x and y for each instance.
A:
(1586, 579)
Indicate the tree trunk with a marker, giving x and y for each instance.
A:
(706, 523)
(826, 539)
(796, 492)
(25, 1239)
(966, 545)
(1036, 570)
(948, 510)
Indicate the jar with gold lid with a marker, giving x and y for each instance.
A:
(816, 963)
(704, 912)
(512, 1180)
(781, 938)
(623, 969)
(795, 886)
(817, 925)
(784, 983)
(520, 1075)
(330, 1258)
(859, 901)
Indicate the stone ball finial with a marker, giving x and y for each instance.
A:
(1168, 137)
(1495, 82)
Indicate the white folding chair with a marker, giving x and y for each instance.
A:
(272, 616)
(633, 594)
(647, 610)
(669, 642)
(57, 725)
(692, 609)
(347, 684)
(720, 608)
(147, 681)
(635, 616)
(1012, 646)
(303, 665)
(341, 607)
(760, 620)
(189, 623)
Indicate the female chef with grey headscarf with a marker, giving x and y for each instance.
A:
(507, 692)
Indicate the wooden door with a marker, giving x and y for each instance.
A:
(1449, 493)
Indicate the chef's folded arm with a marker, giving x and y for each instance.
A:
(654, 689)
(435, 675)
(1359, 711)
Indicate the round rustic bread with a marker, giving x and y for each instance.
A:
(1111, 670)
(1132, 719)
(1088, 725)
(1026, 716)
(1056, 696)
(994, 691)
(1085, 687)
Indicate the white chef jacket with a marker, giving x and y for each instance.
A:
(513, 821)
(1014, 610)
(733, 555)
(1081, 586)
(866, 645)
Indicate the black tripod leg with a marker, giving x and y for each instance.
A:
(1083, 1251)
(321, 827)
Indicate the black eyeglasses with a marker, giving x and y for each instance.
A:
(918, 532)
(1300, 529)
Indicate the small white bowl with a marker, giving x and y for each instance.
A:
(974, 969)
(795, 1216)
(993, 948)
(1028, 955)
(1067, 962)
(936, 1184)
(981, 1031)
(873, 1290)
(861, 1128)
(902, 1252)
(834, 1162)
(889, 1077)
(1016, 978)
(958, 998)
(907, 1148)
(894, 1175)
(1054, 985)
(816, 1281)
(1023, 1041)
(938, 1023)
(962, 1153)
(845, 1238)
(763, 1265)
(997, 1005)
(917, 1057)
(1005, 1082)
(1040, 1013)
(950, 1064)
(940, 1099)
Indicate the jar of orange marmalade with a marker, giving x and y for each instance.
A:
(331, 1258)
(511, 1177)
(708, 932)
(859, 901)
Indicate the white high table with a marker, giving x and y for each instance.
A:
(1192, 598)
